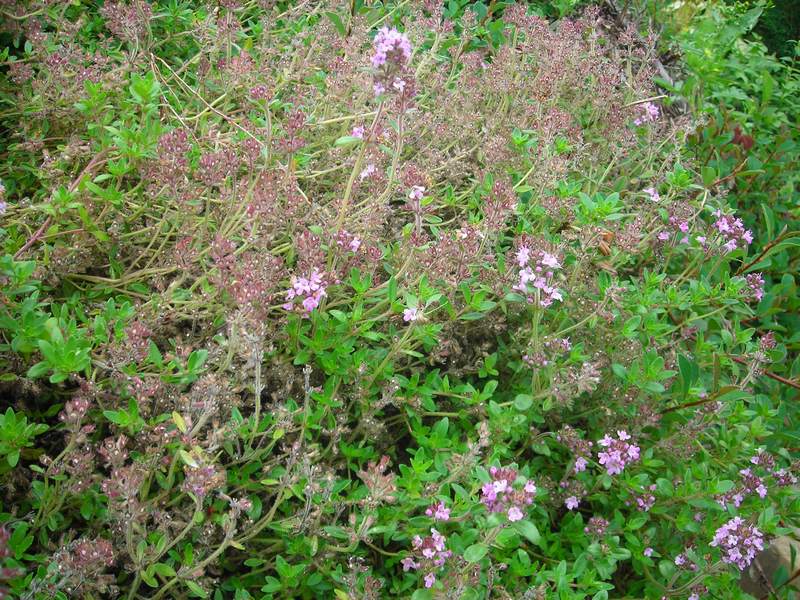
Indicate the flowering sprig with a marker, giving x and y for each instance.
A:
(431, 555)
(617, 453)
(732, 231)
(755, 286)
(392, 54)
(652, 193)
(438, 511)
(411, 314)
(648, 113)
(739, 542)
(536, 276)
(500, 496)
(309, 290)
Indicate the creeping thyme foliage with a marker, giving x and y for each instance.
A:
(375, 300)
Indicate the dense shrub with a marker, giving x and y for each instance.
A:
(307, 303)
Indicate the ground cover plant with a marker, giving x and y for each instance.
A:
(344, 300)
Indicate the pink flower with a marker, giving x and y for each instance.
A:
(572, 502)
(617, 453)
(536, 276)
(358, 131)
(653, 193)
(523, 255)
(310, 290)
(515, 514)
(439, 512)
(500, 495)
(739, 542)
(417, 192)
(755, 286)
(411, 314)
(732, 230)
(648, 552)
(367, 171)
(392, 46)
(580, 464)
(430, 579)
(649, 113)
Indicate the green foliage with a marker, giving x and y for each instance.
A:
(16, 434)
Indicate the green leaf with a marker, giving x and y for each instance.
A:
(475, 552)
(196, 360)
(147, 577)
(39, 369)
(116, 416)
(347, 140)
(523, 402)
(196, 589)
(164, 570)
(337, 22)
(187, 458)
(528, 530)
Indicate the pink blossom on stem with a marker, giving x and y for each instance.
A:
(617, 453)
(649, 113)
(739, 542)
(653, 193)
(411, 314)
(308, 290)
(439, 512)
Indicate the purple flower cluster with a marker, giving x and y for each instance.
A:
(767, 342)
(580, 448)
(391, 46)
(438, 511)
(310, 289)
(391, 58)
(74, 410)
(596, 527)
(536, 276)
(755, 286)
(92, 555)
(499, 495)
(345, 239)
(739, 542)
(732, 231)
(683, 560)
(202, 480)
(784, 478)
(649, 113)
(214, 168)
(750, 484)
(645, 501)
(652, 193)
(617, 453)
(433, 555)
(411, 314)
